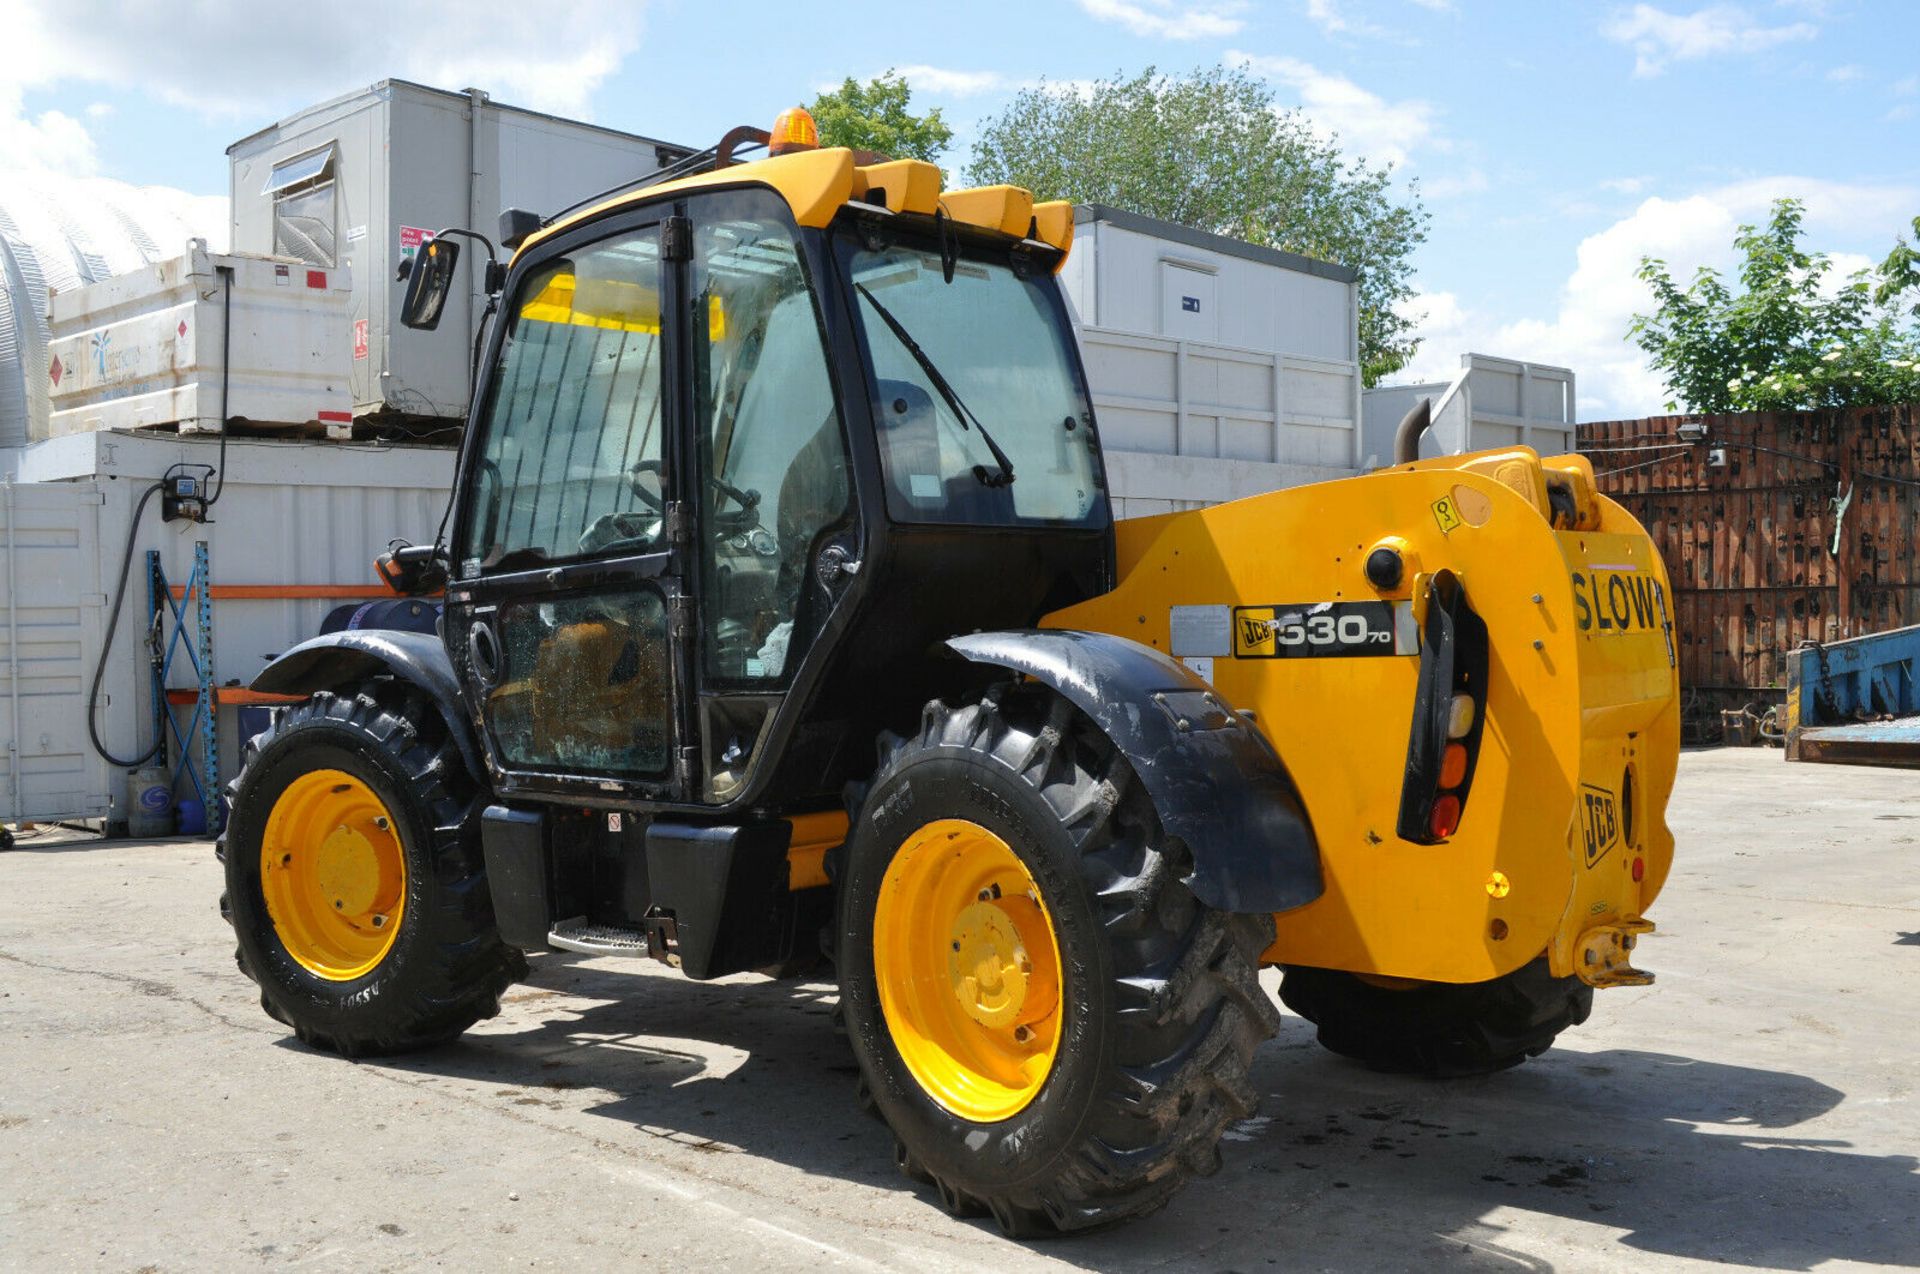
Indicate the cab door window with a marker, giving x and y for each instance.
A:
(575, 679)
(773, 454)
(571, 462)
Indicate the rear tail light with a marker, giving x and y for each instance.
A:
(1449, 714)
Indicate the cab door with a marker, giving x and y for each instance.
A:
(567, 573)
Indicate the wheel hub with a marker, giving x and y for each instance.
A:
(968, 968)
(333, 873)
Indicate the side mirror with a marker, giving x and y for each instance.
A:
(413, 569)
(429, 283)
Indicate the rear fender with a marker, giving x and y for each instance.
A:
(336, 660)
(1215, 781)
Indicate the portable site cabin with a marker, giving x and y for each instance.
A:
(367, 178)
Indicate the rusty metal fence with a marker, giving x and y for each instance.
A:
(1778, 528)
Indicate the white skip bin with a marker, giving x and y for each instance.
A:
(148, 349)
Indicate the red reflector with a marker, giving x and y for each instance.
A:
(1453, 765)
(343, 417)
(1639, 870)
(1445, 817)
(316, 278)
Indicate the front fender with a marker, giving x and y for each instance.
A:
(334, 660)
(1215, 781)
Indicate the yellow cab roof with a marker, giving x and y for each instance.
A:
(816, 183)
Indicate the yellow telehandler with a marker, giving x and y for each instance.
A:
(786, 621)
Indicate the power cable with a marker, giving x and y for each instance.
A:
(106, 646)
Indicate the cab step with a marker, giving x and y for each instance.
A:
(587, 938)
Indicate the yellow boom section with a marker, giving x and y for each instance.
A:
(1563, 841)
(816, 183)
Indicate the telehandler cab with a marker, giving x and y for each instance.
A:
(786, 620)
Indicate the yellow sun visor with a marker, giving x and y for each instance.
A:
(609, 303)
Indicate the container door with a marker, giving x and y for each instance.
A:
(560, 618)
(1187, 308)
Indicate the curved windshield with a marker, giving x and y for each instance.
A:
(981, 412)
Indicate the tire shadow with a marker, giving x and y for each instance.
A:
(1676, 1156)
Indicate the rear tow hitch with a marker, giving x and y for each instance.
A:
(1606, 955)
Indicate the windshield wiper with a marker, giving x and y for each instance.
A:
(946, 391)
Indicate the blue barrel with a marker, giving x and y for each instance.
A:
(403, 614)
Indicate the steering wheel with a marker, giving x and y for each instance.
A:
(742, 518)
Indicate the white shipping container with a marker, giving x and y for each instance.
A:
(150, 348)
(1239, 360)
(364, 180)
(303, 513)
(1492, 403)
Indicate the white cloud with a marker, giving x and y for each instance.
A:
(1602, 293)
(1658, 37)
(951, 83)
(246, 57)
(1907, 87)
(1366, 123)
(1436, 6)
(1624, 185)
(1328, 16)
(1169, 20)
(52, 141)
(1452, 185)
(1846, 74)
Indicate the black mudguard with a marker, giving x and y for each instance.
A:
(339, 659)
(1216, 782)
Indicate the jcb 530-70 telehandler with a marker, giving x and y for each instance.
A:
(786, 620)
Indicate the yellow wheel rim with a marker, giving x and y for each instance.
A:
(968, 969)
(334, 874)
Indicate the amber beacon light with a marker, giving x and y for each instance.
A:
(793, 129)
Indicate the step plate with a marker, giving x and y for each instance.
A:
(587, 938)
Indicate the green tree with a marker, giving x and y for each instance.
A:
(1786, 336)
(874, 116)
(1212, 150)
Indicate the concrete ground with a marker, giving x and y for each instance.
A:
(1755, 1108)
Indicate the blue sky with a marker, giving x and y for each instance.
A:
(1554, 143)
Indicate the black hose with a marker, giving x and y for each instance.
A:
(106, 646)
(1406, 439)
(226, 381)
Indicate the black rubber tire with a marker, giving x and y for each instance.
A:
(1438, 1029)
(447, 967)
(1162, 999)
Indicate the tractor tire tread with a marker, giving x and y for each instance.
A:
(466, 966)
(1189, 1008)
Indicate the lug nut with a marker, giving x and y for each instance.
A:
(339, 905)
(1022, 1034)
(381, 822)
(379, 922)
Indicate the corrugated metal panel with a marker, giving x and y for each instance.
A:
(1807, 532)
(50, 600)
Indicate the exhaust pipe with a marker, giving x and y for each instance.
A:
(1406, 439)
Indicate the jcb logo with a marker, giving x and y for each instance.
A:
(1600, 817)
